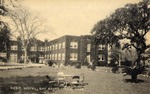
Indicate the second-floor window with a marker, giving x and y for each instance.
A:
(88, 47)
(101, 47)
(55, 46)
(33, 48)
(41, 48)
(74, 45)
(59, 46)
(14, 47)
(63, 45)
(49, 48)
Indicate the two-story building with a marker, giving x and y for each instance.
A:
(70, 49)
(66, 50)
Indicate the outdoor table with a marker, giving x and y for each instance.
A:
(67, 78)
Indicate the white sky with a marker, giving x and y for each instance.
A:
(73, 17)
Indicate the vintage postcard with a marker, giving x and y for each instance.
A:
(74, 47)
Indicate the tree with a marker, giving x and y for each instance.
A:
(132, 23)
(4, 37)
(114, 55)
(26, 26)
(4, 30)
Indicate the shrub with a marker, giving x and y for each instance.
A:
(115, 69)
(2, 59)
(93, 67)
(134, 71)
(50, 63)
(78, 65)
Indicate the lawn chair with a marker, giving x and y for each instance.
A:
(82, 78)
(61, 80)
(77, 82)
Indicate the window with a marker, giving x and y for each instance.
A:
(41, 48)
(59, 46)
(52, 56)
(59, 56)
(101, 57)
(88, 58)
(55, 46)
(109, 48)
(63, 45)
(33, 48)
(50, 48)
(41, 56)
(55, 56)
(101, 47)
(13, 57)
(74, 45)
(22, 56)
(88, 47)
(73, 56)
(63, 56)
(14, 47)
(45, 48)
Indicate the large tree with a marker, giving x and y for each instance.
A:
(4, 29)
(131, 23)
(25, 25)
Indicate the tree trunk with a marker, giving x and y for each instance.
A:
(134, 78)
(137, 61)
(25, 55)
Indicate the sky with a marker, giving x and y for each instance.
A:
(73, 17)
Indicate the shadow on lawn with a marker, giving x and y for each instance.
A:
(131, 81)
(27, 85)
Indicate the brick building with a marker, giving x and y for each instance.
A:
(64, 50)
(68, 49)
(71, 49)
(35, 51)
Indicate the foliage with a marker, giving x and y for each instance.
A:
(131, 22)
(50, 63)
(78, 65)
(134, 71)
(115, 55)
(4, 30)
(4, 37)
(115, 69)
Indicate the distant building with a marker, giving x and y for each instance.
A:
(35, 51)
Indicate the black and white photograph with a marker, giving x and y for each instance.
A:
(74, 46)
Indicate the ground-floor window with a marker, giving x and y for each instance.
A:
(63, 56)
(73, 56)
(13, 57)
(101, 57)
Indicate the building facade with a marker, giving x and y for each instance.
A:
(16, 52)
(66, 50)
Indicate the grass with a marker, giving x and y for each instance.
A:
(98, 82)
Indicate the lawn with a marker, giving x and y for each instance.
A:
(98, 82)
